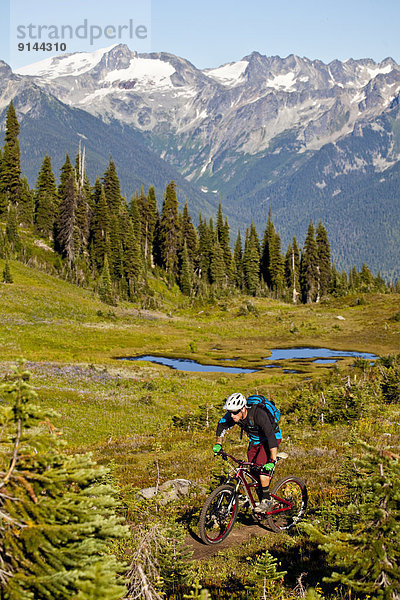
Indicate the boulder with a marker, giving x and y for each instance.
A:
(167, 491)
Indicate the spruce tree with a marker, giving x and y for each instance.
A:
(10, 172)
(366, 278)
(46, 199)
(57, 512)
(116, 250)
(105, 286)
(12, 228)
(67, 238)
(365, 554)
(276, 273)
(309, 270)
(7, 277)
(112, 188)
(238, 262)
(185, 272)
(206, 235)
(132, 259)
(222, 230)
(189, 234)
(100, 226)
(135, 214)
(217, 265)
(169, 231)
(26, 204)
(67, 170)
(251, 261)
(324, 260)
(267, 243)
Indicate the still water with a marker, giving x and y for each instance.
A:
(321, 356)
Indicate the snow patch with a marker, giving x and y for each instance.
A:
(148, 71)
(229, 74)
(378, 70)
(71, 65)
(280, 82)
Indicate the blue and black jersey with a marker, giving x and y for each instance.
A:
(257, 425)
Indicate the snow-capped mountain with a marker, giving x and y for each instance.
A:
(301, 136)
(49, 125)
(195, 118)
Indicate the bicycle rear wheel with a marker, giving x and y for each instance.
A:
(219, 514)
(290, 499)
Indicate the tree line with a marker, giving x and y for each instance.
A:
(100, 237)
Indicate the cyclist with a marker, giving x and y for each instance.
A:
(263, 445)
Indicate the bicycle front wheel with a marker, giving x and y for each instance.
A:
(289, 503)
(219, 514)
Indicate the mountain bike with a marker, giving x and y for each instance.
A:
(221, 508)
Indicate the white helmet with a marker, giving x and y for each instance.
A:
(235, 402)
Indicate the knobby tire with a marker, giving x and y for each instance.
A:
(294, 491)
(218, 514)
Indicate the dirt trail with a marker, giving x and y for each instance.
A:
(237, 536)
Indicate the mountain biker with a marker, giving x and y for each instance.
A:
(263, 445)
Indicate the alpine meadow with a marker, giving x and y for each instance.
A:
(222, 260)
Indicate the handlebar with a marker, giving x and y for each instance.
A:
(242, 463)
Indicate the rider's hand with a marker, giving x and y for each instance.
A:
(217, 448)
(268, 467)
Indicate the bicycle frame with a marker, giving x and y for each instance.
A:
(240, 473)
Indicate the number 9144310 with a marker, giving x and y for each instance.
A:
(43, 47)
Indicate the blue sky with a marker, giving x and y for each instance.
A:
(211, 33)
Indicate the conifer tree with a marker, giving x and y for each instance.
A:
(222, 230)
(10, 172)
(46, 199)
(116, 250)
(251, 261)
(57, 511)
(309, 270)
(185, 272)
(67, 170)
(265, 263)
(132, 259)
(276, 265)
(7, 277)
(324, 260)
(365, 554)
(217, 265)
(169, 231)
(206, 235)
(134, 210)
(144, 212)
(112, 188)
(366, 278)
(105, 286)
(12, 228)
(67, 237)
(100, 227)
(189, 235)
(238, 262)
(26, 204)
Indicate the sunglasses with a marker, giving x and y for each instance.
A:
(236, 412)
